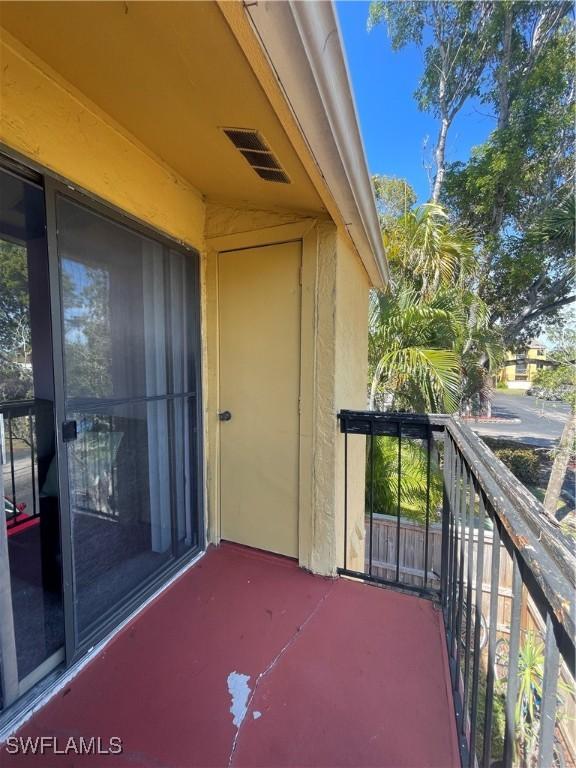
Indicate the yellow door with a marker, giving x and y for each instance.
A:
(259, 300)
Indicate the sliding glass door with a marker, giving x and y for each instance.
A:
(100, 426)
(130, 343)
(31, 605)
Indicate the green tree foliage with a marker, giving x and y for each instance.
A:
(516, 57)
(394, 198)
(424, 247)
(413, 485)
(524, 463)
(428, 329)
(15, 342)
(560, 379)
(453, 62)
(415, 347)
(527, 712)
(515, 191)
(413, 364)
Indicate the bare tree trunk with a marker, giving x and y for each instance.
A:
(440, 159)
(503, 78)
(560, 466)
(372, 397)
(504, 72)
(453, 93)
(374, 386)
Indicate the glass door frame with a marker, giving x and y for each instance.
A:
(55, 185)
(14, 685)
(75, 648)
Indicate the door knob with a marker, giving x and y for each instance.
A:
(224, 415)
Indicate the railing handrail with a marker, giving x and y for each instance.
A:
(15, 408)
(552, 566)
(394, 417)
(523, 516)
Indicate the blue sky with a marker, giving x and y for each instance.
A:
(393, 128)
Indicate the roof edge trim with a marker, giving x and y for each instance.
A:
(303, 43)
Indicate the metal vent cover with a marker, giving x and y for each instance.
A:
(246, 138)
(270, 175)
(261, 159)
(257, 154)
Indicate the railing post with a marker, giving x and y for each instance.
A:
(549, 697)
(469, 580)
(513, 657)
(454, 557)
(399, 503)
(477, 627)
(371, 496)
(446, 515)
(427, 528)
(345, 499)
(8, 660)
(460, 609)
(494, 595)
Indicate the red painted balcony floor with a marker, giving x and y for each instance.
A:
(340, 674)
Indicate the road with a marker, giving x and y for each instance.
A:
(537, 422)
(540, 421)
(22, 480)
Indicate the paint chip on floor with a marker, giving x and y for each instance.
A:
(239, 691)
(256, 715)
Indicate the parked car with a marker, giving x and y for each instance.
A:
(546, 393)
(552, 394)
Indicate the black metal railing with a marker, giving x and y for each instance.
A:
(505, 582)
(94, 469)
(18, 434)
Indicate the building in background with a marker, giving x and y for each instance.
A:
(521, 367)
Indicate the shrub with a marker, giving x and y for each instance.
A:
(413, 482)
(522, 462)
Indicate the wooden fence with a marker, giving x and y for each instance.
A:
(412, 549)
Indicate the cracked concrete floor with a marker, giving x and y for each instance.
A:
(329, 673)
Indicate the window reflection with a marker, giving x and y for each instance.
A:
(128, 337)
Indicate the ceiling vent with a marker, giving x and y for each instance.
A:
(257, 154)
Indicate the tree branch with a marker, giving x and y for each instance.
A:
(550, 307)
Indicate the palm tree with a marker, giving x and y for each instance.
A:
(410, 347)
(414, 487)
(427, 328)
(424, 246)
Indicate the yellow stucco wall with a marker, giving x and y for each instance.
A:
(45, 119)
(322, 532)
(226, 220)
(352, 290)
(48, 121)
